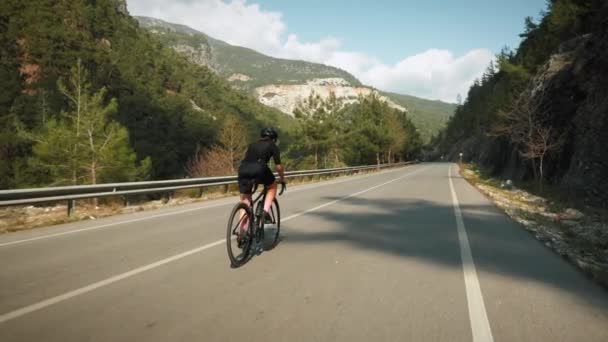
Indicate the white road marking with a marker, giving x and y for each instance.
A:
(109, 225)
(173, 213)
(480, 325)
(60, 298)
(94, 286)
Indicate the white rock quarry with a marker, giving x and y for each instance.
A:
(286, 97)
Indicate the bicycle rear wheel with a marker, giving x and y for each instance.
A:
(238, 241)
(272, 226)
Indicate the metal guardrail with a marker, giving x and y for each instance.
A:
(78, 192)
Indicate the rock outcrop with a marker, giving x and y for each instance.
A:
(287, 97)
(200, 56)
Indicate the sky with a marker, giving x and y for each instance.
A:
(433, 49)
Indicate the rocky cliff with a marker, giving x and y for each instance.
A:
(572, 89)
(576, 88)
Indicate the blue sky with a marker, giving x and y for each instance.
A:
(392, 29)
(431, 49)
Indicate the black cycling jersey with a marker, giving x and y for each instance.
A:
(254, 168)
(262, 151)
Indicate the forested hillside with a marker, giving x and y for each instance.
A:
(67, 64)
(542, 112)
(250, 70)
(428, 116)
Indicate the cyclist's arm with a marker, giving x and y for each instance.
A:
(281, 172)
(276, 155)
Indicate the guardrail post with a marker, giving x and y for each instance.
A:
(125, 201)
(71, 205)
(200, 192)
(226, 188)
(167, 197)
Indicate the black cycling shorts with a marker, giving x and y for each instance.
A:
(252, 173)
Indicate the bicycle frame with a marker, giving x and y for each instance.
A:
(263, 193)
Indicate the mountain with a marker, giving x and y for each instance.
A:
(429, 116)
(244, 67)
(282, 83)
(171, 107)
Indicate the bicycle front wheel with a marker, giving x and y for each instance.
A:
(272, 226)
(239, 234)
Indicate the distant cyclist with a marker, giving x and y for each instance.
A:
(254, 168)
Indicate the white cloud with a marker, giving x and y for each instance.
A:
(315, 52)
(434, 74)
(236, 22)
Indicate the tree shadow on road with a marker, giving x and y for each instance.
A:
(427, 230)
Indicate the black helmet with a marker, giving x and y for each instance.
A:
(269, 132)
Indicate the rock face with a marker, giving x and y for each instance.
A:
(573, 84)
(581, 94)
(287, 97)
(200, 56)
(573, 88)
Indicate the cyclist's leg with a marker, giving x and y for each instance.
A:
(245, 189)
(271, 187)
(271, 193)
(245, 198)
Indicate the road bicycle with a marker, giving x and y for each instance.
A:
(261, 232)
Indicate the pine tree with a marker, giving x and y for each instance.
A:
(83, 145)
(314, 130)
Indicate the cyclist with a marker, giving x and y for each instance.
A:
(254, 169)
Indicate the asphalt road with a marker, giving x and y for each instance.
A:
(411, 254)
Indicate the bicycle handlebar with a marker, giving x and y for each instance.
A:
(283, 188)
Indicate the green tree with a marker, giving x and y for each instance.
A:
(370, 118)
(83, 145)
(161, 96)
(314, 132)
